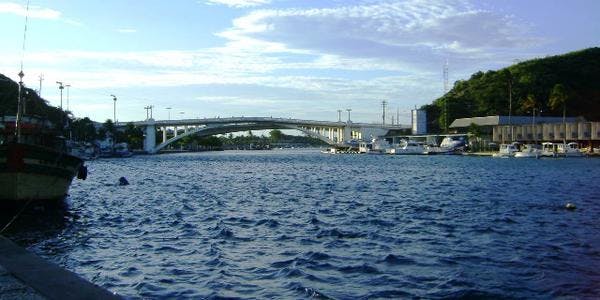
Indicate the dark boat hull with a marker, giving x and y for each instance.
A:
(31, 172)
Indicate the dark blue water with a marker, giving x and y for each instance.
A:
(300, 224)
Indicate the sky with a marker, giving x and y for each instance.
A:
(279, 58)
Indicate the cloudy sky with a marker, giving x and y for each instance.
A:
(280, 58)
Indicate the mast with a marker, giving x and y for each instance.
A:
(21, 75)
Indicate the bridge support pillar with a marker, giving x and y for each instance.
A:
(150, 137)
(164, 131)
(347, 133)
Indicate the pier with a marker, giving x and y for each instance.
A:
(24, 275)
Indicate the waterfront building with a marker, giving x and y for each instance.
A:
(418, 121)
(523, 129)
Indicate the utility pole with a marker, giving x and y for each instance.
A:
(114, 109)
(41, 77)
(151, 107)
(383, 106)
(60, 87)
(147, 108)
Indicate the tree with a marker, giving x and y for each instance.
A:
(83, 130)
(134, 136)
(559, 97)
(529, 103)
(276, 135)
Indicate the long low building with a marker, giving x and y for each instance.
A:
(502, 129)
(583, 132)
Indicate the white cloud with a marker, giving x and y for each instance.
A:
(239, 3)
(34, 11)
(412, 31)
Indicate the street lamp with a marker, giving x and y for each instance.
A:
(181, 113)
(60, 87)
(114, 108)
(169, 110)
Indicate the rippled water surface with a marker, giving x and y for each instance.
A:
(300, 224)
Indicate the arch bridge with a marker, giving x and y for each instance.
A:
(333, 133)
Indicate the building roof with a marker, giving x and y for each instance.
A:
(503, 120)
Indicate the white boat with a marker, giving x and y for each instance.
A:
(376, 146)
(449, 145)
(408, 148)
(561, 150)
(548, 149)
(529, 151)
(568, 150)
(506, 150)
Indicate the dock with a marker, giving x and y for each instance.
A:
(24, 275)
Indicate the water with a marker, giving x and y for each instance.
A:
(300, 224)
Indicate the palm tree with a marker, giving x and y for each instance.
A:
(529, 104)
(559, 97)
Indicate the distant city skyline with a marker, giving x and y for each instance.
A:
(299, 59)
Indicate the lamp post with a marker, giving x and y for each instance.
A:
(169, 110)
(114, 108)
(60, 87)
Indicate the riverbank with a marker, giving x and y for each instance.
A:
(24, 275)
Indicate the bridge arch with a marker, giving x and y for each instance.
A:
(228, 128)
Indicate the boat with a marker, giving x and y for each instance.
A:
(528, 151)
(122, 150)
(376, 146)
(568, 150)
(506, 150)
(34, 162)
(561, 150)
(408, 148)
(449, 145)
(548, 149)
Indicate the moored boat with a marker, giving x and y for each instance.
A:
(506, 150)
(407, 148)
(569, 150)
(35, 167)
(528, 151)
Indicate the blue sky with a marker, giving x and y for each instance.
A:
(280, 58)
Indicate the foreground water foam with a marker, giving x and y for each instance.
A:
(299, 224)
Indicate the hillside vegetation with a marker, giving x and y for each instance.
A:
(34, 104)
(570, 82)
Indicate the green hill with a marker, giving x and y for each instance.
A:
(532, 81)
(34, 104)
